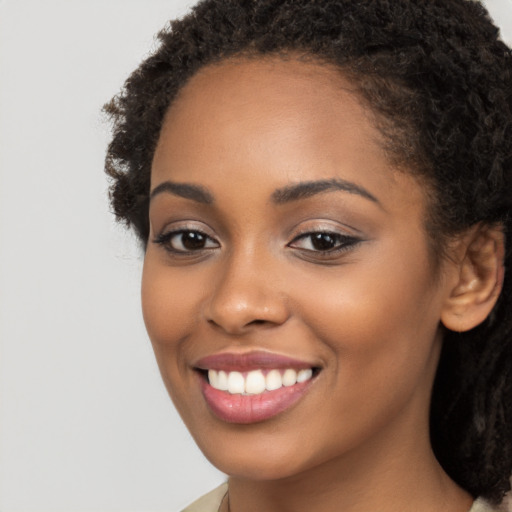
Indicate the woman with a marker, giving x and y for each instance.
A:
(323, 190)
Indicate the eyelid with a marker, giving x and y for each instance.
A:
(324, 226)
(346, 238)
(187, 225)
(174, 232)
(165, 236)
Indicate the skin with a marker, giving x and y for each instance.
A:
(368, 316)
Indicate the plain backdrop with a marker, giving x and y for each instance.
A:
(85, 422)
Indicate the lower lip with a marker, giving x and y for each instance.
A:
(252, 408)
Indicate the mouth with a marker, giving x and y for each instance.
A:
(257, 381)
(253, 387)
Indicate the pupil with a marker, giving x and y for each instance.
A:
(323, 241)
(192, 240)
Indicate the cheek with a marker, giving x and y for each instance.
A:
(381, 332)
(379, 319)
(171, 301)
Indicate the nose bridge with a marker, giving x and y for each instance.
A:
(246, 292)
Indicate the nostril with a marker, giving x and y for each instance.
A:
(257, 322)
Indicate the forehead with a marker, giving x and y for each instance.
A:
(285, 79)
(270, 91)
(273, 119)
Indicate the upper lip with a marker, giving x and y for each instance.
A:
(230, 361)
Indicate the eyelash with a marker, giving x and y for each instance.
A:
(342, 243)
(165, 240)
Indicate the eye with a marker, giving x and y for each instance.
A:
(186, 241)
(324, 242)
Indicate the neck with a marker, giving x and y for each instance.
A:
(386, 475)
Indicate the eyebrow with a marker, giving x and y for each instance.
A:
(289, 193)
(307, 189)
(185, 190)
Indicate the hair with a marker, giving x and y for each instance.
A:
(439, 81)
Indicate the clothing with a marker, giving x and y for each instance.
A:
(211, 502)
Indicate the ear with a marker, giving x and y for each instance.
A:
(478, 278)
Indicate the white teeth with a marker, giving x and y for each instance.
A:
(222, 381)
(256, 382)
(304, 375)
(273, 380)
(236, 383)
(213, 379)
(289, 377)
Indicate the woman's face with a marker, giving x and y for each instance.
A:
(284, 245)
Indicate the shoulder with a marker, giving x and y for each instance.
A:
(211, 502)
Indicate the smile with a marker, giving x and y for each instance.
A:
(257, 381)
(254, 387)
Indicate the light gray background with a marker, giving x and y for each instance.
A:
(85, 423)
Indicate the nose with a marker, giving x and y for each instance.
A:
(247, 293)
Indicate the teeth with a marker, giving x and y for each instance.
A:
(213, 379)
(222, 381)
(236, 383)
(304, 375)
(273, 380)
(256, 382)
(289, 377)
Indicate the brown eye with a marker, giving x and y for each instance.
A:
(192, 240)
(324, 242)
(186, 241)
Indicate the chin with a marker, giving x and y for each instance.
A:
(256, 466)
(258, 457)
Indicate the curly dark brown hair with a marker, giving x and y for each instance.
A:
(439, 80)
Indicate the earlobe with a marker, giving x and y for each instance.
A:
(479, 280)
